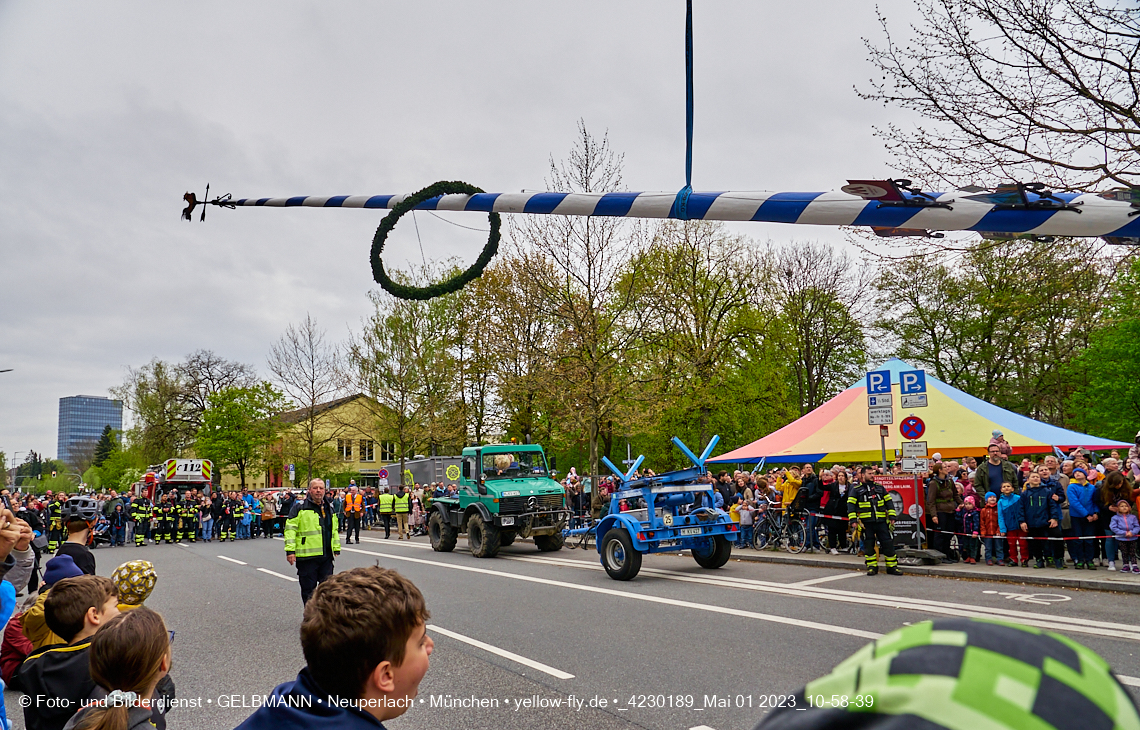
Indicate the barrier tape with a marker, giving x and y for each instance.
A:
(967, 534)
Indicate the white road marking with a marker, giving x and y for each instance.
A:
(1044, 621)
(633, 596)
(279, 575)
(829, 578)
(239, 562)
(557, 673)
(1130, 681)
(403, 543)
(701, 727)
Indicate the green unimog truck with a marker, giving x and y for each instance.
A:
(505, 491)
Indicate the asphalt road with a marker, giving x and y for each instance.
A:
(711, 646)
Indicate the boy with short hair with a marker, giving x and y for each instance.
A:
(75, 609)
(365, 642)
(1010, 518)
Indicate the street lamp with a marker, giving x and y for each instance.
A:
(15, 468)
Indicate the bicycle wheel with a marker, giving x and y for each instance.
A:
(760, 535)
(797, 536)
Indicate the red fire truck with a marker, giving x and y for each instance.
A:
(180, 474)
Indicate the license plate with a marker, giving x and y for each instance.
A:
(690, 531)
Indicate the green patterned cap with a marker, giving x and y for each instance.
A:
(966, 674)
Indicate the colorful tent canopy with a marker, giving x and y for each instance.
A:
(957, 424)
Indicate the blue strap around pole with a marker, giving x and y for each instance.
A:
(680, 205)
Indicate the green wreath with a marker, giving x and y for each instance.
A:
(456, 282)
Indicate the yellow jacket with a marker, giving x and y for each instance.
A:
(792, 485)
(35, 624)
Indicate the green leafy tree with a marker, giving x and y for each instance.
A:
(823, 303)
(106, 445)
(1107, 401)
(1001, 322)
(701, 296)
(239, 426)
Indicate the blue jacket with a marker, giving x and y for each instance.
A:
(301, 705)
(1010, 515)
(1039, 507)
(1055, 484)
(1081, 499)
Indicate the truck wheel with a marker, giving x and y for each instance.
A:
(441, 534)
(716, 555)
(506, 537)
(619, 558)
(482, 537)
(549, 543)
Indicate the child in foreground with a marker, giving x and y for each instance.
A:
(128, 656)
(75, 609)
(364, 637)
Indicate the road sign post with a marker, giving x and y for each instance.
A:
(879, 408)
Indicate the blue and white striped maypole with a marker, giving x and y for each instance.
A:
(1111, 215)
(888, 207)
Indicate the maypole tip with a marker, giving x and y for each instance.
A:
(222, 201)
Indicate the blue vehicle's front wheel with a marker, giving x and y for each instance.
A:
(619, 558)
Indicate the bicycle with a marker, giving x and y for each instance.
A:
(780, 531)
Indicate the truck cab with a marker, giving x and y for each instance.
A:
(504, 491)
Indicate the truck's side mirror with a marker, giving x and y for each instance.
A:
(553, 463)
(466, 469)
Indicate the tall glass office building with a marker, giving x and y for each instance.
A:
(82, 419)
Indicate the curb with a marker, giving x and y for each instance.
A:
(946, 572)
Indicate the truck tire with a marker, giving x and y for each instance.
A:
(506, 537)
(549, 543)
(717, 555)
(441, 534)
(619, 558)
(482, 537)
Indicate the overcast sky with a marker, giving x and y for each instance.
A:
(110, 111)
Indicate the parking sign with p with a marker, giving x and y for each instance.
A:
(912, 381)
(878, 381)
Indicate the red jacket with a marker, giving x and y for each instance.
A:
(989, 521)
(14, 650)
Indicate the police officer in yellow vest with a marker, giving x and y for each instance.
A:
(403, 506)
(311, 539)
(386, 507)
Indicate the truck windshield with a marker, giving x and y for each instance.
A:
(513, 465)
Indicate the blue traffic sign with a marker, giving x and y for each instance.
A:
(878, 381)
(912, 381)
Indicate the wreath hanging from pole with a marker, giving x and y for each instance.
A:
(448, 286)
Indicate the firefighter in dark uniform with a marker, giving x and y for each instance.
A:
(55, 523)
(141, 511)
(167, 520)
(235, 509)
(189, 519)
(874, 508)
